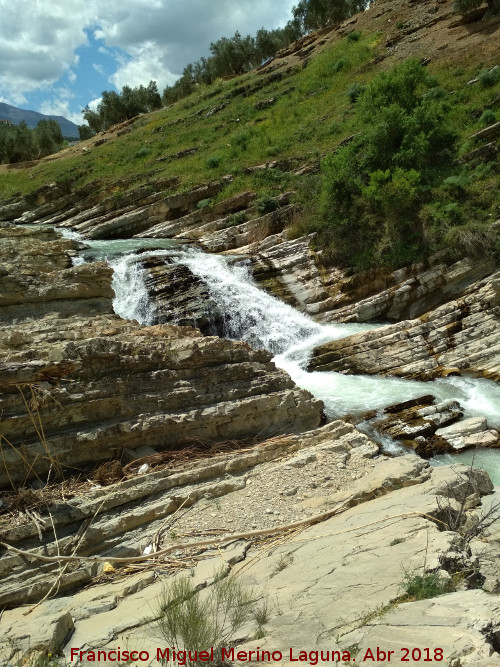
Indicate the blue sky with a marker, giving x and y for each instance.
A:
(56, 57)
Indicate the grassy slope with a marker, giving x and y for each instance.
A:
(311, 116)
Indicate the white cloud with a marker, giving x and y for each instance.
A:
(60, 107)
(98, 68)
(146, 64)
(93, 104)
(38, 40)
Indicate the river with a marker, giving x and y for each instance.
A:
(265, 322)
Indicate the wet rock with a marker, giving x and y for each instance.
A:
(473, 432)
(103, 384)
(461, 336)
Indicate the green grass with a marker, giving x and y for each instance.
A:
(311, 116)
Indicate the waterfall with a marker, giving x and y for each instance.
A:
(131, 300)
(265, 322)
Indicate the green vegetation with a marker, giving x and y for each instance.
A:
(117, 107)
(19, 143)
(423, 586)
(236, 55)
(396, 192)
(193, 619)
(396, 182)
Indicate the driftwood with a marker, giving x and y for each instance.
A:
(30, 372)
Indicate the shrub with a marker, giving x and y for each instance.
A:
(354, 36)
(488, 117)
(196, 620)
(355, 91)
(142, 152)
(266, 204)
(339, 65)
(424, 586)
(489, 77)
(236, 218)
(213, 162)
(204, 203)
(436, 93)
(457, 182)
(373, 188)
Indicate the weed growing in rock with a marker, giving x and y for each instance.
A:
(266, 204)
(194, 619)
(282, 563)
(423, 586)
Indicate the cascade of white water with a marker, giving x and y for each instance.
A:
(267, 323)
(132, 300)
(253, 315)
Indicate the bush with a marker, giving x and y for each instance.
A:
(204, 203)
(213, 162)
(424, 586)
(339, 65)
(354, 36)
(142, 152)
(489, 77)
(488, 117)
(195, 620)
(373, 188)
(236, 218)
(355, 91)
(266, 204)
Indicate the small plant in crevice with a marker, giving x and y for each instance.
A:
(204, 203)
(236, 218)
(424, 586)
(196, 619)
(266, 204)
(283, 562)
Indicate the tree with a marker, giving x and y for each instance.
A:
(84, 132)
(315, 14)
(373, 188)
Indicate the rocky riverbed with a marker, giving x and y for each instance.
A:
(318, 507)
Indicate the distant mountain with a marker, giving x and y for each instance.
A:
(32, 118)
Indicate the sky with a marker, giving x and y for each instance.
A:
(56, 56)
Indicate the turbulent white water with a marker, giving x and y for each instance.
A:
(131, 300)
(265, 322)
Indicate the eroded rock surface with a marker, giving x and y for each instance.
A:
(329, 590)
(432, 427)
(461, 336)
(124, 385)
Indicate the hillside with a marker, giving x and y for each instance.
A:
(301, 107)
(32, 118)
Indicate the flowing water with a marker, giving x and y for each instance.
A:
(265, 322)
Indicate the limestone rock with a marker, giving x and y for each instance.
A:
(102, 384)
(468, 433)
(460, 336)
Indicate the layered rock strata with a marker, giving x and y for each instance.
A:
(462, 336)
(119, 385)
(383, 510)
(432, 427)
